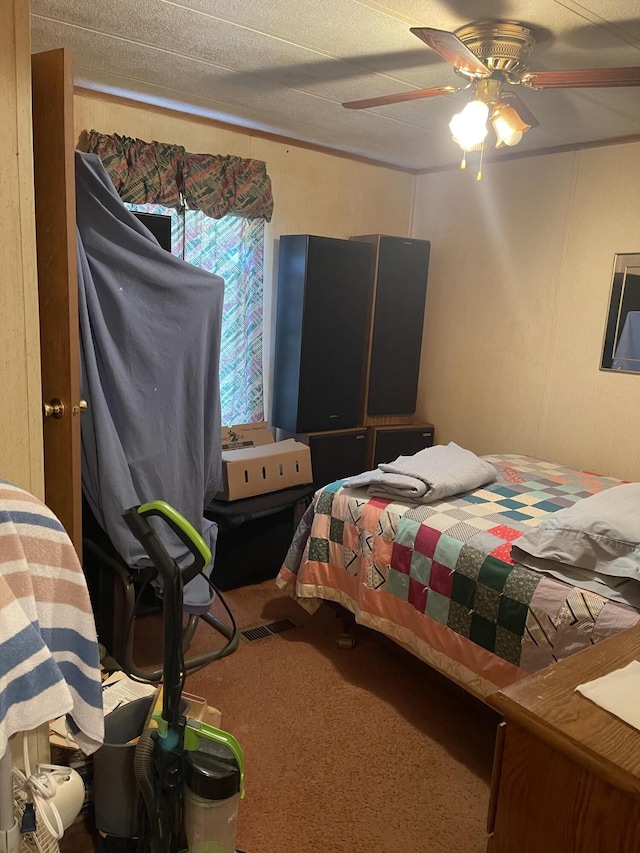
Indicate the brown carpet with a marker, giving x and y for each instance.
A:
(362, 750)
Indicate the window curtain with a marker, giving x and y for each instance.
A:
(158, 173)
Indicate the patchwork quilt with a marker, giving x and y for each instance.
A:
(440, 580)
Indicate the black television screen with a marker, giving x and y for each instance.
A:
(160, 226)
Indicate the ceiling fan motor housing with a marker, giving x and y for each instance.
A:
(503, 46)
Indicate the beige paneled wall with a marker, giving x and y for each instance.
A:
(586, 410)
(516, 307)
(314, 192)
(21, 455)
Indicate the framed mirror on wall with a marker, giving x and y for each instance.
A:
(621, 350)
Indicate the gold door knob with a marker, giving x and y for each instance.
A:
(80, 408)
(54, 409)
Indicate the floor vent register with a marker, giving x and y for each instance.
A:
(261, 632)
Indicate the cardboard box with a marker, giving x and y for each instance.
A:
(198, 710)
(258, 464)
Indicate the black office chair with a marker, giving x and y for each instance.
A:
(120, 596)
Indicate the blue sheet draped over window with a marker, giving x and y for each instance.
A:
(150, 336)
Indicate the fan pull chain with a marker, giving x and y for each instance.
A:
(463, 165)
(479, 175)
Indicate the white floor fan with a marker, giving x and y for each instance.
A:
(56, 795)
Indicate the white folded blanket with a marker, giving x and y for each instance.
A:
(429, 475)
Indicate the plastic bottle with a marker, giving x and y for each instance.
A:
(211, 794)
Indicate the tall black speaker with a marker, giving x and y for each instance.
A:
(401, 266)
(322, 323)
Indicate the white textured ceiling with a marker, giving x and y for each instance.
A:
(286, 66)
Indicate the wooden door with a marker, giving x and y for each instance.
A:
(54, 167)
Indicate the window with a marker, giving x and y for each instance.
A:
(233, 248)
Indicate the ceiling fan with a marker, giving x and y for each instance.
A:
(492, 56)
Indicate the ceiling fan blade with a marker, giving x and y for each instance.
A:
(449, 46)
(589, 78)
(417, 94)
(521, 108)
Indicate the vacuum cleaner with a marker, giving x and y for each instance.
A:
(189, 775)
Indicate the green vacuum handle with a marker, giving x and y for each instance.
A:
(185, 531)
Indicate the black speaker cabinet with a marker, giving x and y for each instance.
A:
(386, 443)
(401, 266)
(336, 454)
(322, 322)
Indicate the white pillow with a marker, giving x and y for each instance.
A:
(600, 533)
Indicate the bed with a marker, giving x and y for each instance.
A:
(440, 579)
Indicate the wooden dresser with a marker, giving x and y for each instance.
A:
(566, 777)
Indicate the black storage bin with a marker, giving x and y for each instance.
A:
(254, 535)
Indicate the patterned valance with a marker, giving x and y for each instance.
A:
(157, 173)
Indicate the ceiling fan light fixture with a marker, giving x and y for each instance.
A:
(469, 127)
(508, 126)
(489, 54)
